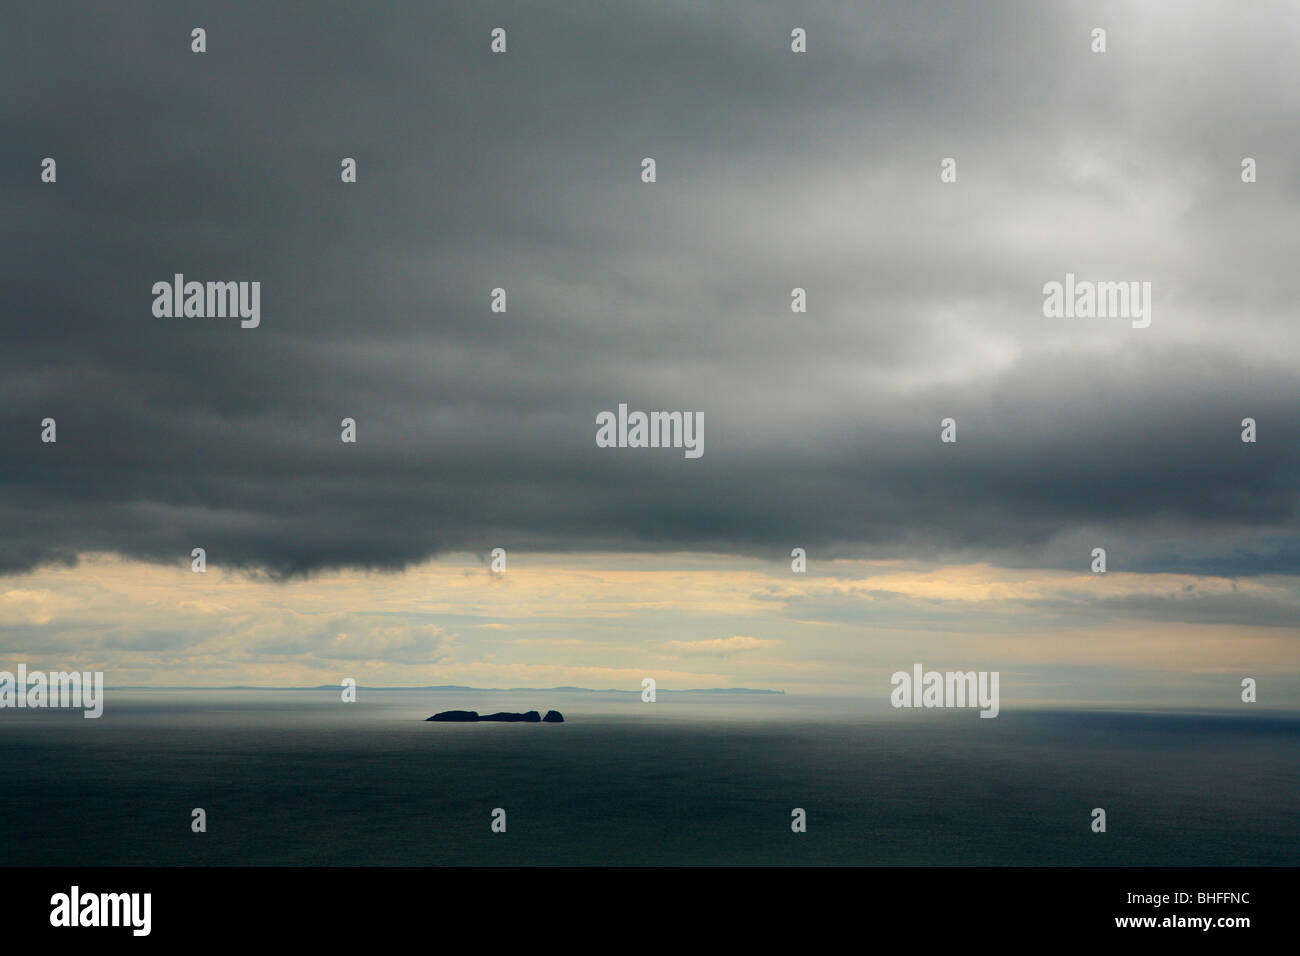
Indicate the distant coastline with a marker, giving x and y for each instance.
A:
(457, 688)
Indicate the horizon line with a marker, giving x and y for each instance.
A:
(447, 687)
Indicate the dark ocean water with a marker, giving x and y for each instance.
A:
(297, 777)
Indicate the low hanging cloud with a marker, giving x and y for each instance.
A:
(719, 646)
(358, 637)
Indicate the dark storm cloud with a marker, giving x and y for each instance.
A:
(476, 430)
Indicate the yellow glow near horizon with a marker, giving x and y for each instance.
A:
(609, 620)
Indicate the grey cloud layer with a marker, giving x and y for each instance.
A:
(821, 171)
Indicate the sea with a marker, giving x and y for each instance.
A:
(302, 778)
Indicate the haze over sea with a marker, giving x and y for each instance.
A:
(298, 777)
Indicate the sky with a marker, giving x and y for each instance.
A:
(476, 429)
